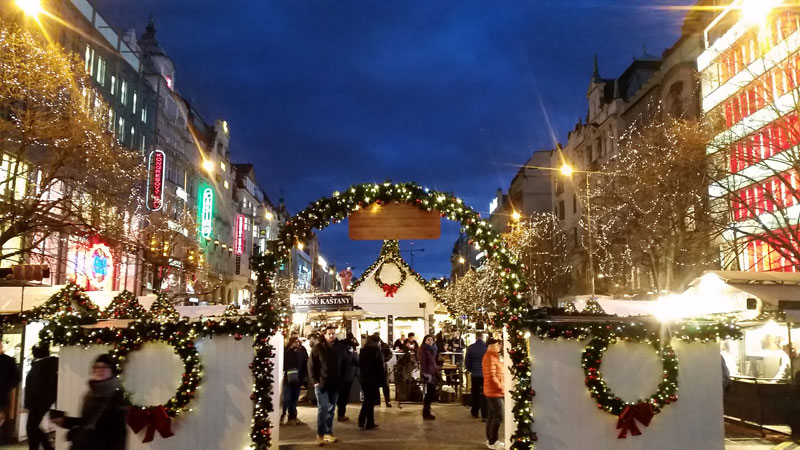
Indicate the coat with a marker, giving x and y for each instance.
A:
(41, 384)
(492, 375)
(372, 366)
(474, 358)
(349, 359)
(427, 360)
(101, 425)
(9, 377)
(325, 366)
(296, 360)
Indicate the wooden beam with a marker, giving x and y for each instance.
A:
(394, 221)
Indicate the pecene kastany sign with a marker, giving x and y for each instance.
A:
(334, 301)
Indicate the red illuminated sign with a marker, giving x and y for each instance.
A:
(239, 247)
(155, 180)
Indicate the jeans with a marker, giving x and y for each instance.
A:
(372, 396)
(326, 403)
(36, 436)
(495, 406)
(344, 398)
(476, 397)
(291, 394)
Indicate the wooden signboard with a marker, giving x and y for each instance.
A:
(394, 221)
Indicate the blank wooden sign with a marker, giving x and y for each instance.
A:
(394, 221)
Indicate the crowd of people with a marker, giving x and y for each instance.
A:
(328, 366)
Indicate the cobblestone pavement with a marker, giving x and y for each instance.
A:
(403, 428)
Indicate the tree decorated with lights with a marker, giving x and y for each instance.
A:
(540, 244)
(650, 207)
(62, 171)
(477, 295)
(124, 306)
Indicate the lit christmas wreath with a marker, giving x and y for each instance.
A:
(390, 289)
(628, 413)
(159, 417)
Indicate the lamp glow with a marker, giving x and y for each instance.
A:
(516, 216)
(461, 260)
(30, 7)
(756, 12)
(208, 165)
(566, 170)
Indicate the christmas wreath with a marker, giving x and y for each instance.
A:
(641, 410)
(390, 289)
(159, 417)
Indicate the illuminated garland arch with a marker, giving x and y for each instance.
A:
(341, 205)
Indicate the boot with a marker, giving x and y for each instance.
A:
(426, 413)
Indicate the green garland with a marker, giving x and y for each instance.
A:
(124, 306)
(163, 309)
(337, 208)
(69, 305)
(667, 392)
(231, 310)
(183, 345)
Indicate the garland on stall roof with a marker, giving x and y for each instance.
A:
(232, 310)
(68, 305)
(340, 205)
(629, 413)
(124, 306)
(163, 309)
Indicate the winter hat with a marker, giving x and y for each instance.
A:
(108, 360)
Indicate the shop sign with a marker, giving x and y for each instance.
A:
(334, 301)
(394, 221)
(206, 211)
(155, 180)
(239, 240)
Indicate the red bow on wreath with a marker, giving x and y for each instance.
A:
(154, 418)
(642, 411)
(389, 290)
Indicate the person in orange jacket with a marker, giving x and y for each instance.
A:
(493, 391)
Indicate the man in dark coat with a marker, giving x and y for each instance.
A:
(101, 425)
(429, 372)
(9, 379)
(41, 385)
(325, 371)
(373, 374)
(295, 365)
(349, 357)
(472, 363)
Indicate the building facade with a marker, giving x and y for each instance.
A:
(750, 74)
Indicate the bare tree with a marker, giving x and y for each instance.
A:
(61, 171)
(540, 244)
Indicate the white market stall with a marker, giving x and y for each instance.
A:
(395, 298)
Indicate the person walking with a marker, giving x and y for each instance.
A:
(493, 390)
(349, 359)
(41, 386)
(295, 365)
(307, 346)
(473, 363)
(325, 371)
(9, 379)
(429, 373)
(373, 375)
(104, 411)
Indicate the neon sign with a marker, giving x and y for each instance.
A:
(155, 180)
(206, 211)
(239, 240)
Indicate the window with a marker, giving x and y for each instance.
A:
(133, 135)
(574, 203)
(88, 60)
(113, 85)
(225, 183)
(575, 237)
(222, 165)
(121, 128)
(142, 146)
(561, 210)
(123, 92)
(101, 71)
(110, 120)
(144, 113)
(133, 103)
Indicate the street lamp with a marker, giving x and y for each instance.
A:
(755, 12)
(567, 171)
(515, 216)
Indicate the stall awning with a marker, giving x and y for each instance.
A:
(769, 287)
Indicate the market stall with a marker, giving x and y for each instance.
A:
(396, 299)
